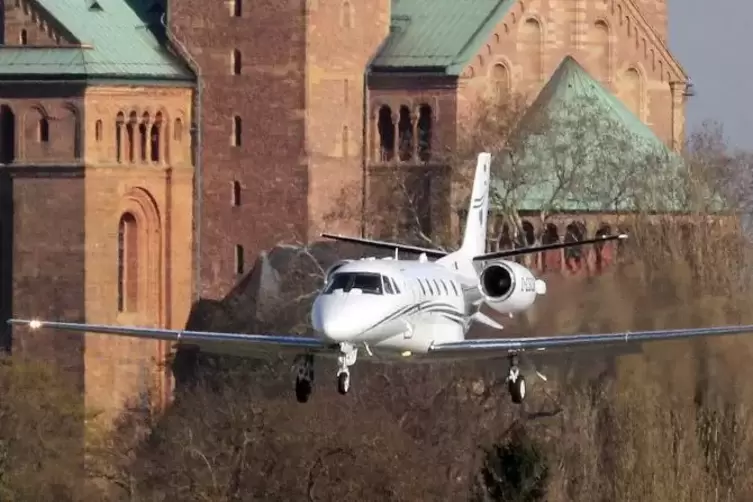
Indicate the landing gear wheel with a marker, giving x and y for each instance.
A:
(517, 389)
(343, 383)
(303, 389)
(304, 378)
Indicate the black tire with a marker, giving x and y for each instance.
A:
(518, 389)
(343, 385)
(302, 390)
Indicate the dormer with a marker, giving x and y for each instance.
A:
(94, 5)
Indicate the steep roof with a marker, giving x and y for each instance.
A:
(438, 35)
(118, 39)
(581, 149)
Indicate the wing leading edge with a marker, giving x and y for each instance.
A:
(215, 342)
(242, 344)
(495, 347)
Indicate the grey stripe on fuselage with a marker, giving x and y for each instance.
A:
(426, 306)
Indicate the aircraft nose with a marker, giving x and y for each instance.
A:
(335, 321)
(336, 328)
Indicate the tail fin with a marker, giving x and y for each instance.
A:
(474, 236)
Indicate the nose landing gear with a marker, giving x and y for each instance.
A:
(343, 382)
(348, 356)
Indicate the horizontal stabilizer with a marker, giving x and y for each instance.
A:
(546, 247)
(434, 253)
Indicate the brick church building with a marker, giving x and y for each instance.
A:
(149, 150)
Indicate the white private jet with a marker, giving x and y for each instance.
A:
(410, 310)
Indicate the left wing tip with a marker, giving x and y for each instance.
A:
(32, 323)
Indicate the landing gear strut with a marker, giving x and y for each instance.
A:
(304, 379)
(347, 358)
(516, 384)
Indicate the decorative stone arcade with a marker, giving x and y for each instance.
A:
(587, 260)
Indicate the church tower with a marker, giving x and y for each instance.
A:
(278, 120)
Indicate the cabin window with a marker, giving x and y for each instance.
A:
(436, 285)
(431, 290)
(420, 284)
(368, 283)
(388, 286)
(394, 285)
(455, 289)
(444, 286)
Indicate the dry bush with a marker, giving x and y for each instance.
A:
(41, 433)
(675, 423)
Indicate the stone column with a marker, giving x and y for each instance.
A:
(396, 135)
(678, 90)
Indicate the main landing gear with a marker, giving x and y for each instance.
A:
(516, 383)
(304, 380)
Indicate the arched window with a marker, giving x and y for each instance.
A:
(43, 130)
(178, 130)
(144, 136)
(119, 126)
(345, 140)
(23, 38)
(128, 263)
(424, 132)
(131, 132)
(346, 15)
(155, 138)
(386, 134)
(98, 130)
(7, 134)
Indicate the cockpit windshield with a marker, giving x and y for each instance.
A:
(368, 283)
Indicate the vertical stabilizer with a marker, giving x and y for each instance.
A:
(474, 235)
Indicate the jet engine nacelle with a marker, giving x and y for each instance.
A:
(509, 287)
(333, 268)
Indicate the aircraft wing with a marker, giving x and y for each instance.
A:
(496, 347)
(207, 341)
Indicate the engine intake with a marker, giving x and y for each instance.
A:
(509, 287)
(497, 282)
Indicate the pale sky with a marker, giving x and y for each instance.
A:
(713, 41)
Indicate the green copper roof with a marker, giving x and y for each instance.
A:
(579, 148)
(441, 35)
(116, 42)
